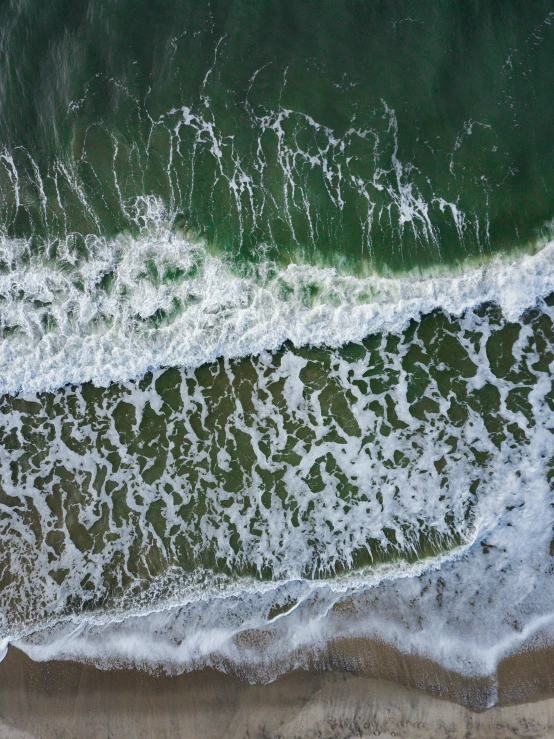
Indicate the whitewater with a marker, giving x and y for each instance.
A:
(466, 608)
(163, 300)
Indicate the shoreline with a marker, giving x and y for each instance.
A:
(378, 692)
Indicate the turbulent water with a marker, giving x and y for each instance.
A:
(276, 330)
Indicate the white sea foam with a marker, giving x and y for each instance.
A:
(466, 609)
(462, 612)
(217, 597)
(164, 300)
(61, 326)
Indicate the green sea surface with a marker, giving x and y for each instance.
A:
(388, 135)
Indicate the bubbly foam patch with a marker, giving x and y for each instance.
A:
(246, 514)
(130, 306)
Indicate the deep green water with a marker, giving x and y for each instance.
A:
(399, 134)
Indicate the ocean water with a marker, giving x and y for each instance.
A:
(276, 330)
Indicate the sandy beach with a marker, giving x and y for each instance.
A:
(75, 701)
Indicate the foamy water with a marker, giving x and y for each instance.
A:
(427, 446)
(136, 305)
(276, 332)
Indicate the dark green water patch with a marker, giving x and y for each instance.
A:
(391, 135)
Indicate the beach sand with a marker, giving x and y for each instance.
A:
(69, 700)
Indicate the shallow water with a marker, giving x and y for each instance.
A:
(276, 335)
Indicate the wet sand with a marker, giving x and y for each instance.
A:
(68, 700)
